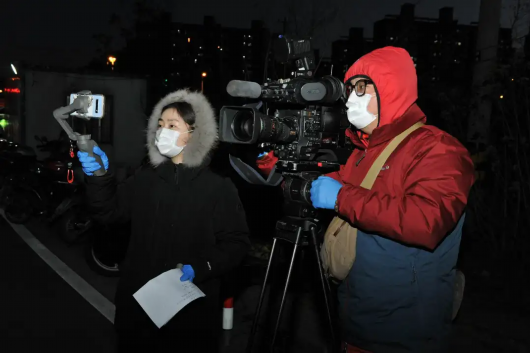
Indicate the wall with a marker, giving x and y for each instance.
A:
(47, 91)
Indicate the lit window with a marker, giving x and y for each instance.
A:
(436, 41)
(243, 56)
(189, 39)
(391, 38)
(200, 47)
(178, 31)
(345, 50)
(173, 44)
(249, 36)
(221, 49)
(244, 43)
(172, 58)
(195, 61)
(249, 44)
(459, 43)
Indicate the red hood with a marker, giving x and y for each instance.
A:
(394, 75)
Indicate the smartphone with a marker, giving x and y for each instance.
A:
(96, 109)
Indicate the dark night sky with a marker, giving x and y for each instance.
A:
(59, 32)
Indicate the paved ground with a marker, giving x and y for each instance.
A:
(42, 313)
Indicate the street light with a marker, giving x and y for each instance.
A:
(112, 60)
(14, 69)
(203, 75)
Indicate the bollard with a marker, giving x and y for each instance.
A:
(228, 314)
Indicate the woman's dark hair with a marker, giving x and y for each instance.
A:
(184, 109)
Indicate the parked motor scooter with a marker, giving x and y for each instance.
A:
(107, 247)
(43, 189)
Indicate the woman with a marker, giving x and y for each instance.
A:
(181, 213)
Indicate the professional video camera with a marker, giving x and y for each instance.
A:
(303, 122)
(305, 131)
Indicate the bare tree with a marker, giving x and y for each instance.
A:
(519, 20)
(305, 18)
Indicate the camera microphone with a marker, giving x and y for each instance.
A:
(243, 89)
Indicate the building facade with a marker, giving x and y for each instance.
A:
(443, 49)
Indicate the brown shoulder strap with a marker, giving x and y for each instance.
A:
(370, 177)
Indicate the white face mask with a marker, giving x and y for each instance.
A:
(358, 113)
(166, 141)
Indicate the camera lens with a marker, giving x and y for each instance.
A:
(298, 190)
(243, 125)
(273, 130)
(269, 129)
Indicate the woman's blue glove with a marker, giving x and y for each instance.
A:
(89, 164)
(187, 273)
(324, 192)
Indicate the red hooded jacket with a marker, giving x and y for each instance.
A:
(421, 192)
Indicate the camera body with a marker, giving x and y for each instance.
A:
(306, 129)
(302, 139)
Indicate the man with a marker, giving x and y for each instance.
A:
(398, 296)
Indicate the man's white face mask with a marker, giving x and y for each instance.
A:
(166, 142)
(358, 113)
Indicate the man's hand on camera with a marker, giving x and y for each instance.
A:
(324, 192)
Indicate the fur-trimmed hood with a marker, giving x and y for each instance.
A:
(204, 137)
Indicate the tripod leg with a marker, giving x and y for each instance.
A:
(325, 285)
(255, 323)
(278, 320)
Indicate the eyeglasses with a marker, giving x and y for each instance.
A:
(359, 87)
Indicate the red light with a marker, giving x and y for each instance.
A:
(12, 90)
(319, 164)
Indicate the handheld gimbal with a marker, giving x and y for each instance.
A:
(84, 142)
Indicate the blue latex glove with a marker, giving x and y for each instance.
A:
(89, 164)
(187, 273)
(324, 192)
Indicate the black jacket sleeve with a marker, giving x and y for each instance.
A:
(231, 232)
(107, 201)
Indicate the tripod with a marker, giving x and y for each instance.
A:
(300, 232)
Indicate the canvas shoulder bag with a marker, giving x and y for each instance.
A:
(340, 240)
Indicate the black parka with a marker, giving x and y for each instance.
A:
(181, 213)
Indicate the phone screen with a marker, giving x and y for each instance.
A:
(96, 109)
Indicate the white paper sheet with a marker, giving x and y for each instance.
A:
(164, 296)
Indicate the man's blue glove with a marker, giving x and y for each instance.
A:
(187, 273)
(324, 192)
(89, 164)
